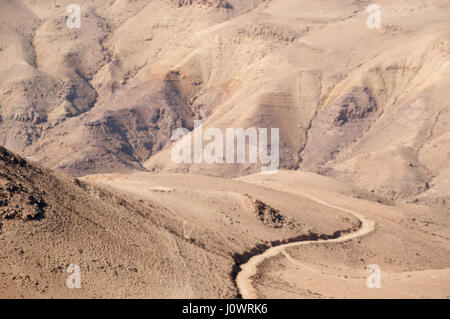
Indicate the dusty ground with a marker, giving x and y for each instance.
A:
(364, 128)
(410, 244)
(182, 236)
(149, 236)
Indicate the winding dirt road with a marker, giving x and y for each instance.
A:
(249, 269)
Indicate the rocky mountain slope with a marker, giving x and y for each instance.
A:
(365, 106)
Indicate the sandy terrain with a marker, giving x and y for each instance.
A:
(400, 239)
(250, 269)
(149, 236)
(182, 236)
(86, 169)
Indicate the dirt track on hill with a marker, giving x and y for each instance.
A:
(249, 269)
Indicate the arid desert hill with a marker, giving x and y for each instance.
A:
(186, 236)
(365, 106)
(86, 169)
(159, 238)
